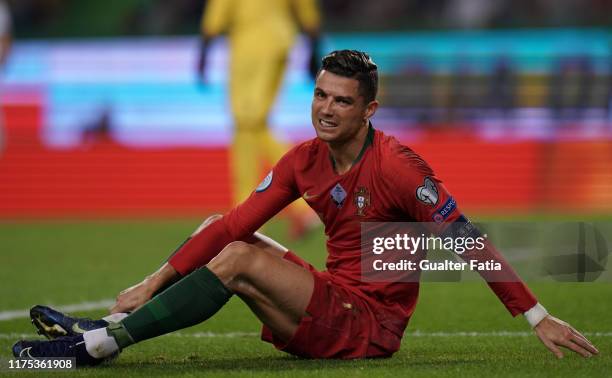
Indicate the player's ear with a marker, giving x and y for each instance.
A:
(371, 108)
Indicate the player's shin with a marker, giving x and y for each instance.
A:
(188, 302)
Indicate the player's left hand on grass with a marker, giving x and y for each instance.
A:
(555, 333)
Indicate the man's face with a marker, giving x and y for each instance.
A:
(338, 110)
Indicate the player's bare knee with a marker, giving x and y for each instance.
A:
(237, 249)
(247, 262)
(232, 260)
(207, 222)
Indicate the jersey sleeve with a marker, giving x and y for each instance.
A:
(276, 191)
(421, 195)
(216, 17)
(416, 191)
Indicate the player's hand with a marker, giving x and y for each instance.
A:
(201, 69)
(555, 333)
(314, 60)
(202, 58)
(133, 297)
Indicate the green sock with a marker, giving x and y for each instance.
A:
(188, 302)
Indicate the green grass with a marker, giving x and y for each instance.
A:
(71, 262)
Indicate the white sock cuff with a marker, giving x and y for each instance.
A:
(115, 318)
(99, 344)
(535, 314)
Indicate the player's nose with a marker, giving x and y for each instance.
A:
(326, 108)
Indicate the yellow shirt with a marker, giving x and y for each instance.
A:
(259, 25)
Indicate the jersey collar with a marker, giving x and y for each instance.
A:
(368, 142)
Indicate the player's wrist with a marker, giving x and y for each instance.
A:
(535, 314)
(160, 278)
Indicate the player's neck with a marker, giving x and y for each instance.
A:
(345, 154)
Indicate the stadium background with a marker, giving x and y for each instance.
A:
(113, 153)
(104, 118)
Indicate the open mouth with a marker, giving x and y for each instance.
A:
(327, 124)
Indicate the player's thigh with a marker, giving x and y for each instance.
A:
(276, 319)
(264, 277)
(271, 77)
(254, 84)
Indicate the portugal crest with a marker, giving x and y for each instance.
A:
(362, 200)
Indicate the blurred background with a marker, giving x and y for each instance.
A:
(112, 150)
(103, 114)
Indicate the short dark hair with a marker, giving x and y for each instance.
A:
(355, 65)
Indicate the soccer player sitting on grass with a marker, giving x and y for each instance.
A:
(350, 173)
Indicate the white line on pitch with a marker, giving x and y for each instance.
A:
(197, 335)
(491, 334)
(231, 335)
(83, 306)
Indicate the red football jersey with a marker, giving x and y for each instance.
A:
(387, 183)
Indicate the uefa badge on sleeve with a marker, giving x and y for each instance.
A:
(265, 184)
(428, 192)
(362, 200)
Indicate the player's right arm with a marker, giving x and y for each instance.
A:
(272, 195)
(419, 193)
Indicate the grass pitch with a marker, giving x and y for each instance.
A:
(458, 329)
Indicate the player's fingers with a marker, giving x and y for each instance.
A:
(114, 309)
(552, 347)
(576, 348)
(579, 339)
(119, 306)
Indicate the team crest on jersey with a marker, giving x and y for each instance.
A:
(362, 200)
(265, 184)
(338, 195)
(428, 192)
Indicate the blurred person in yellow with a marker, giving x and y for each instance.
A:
(5, 44)
(5, 32)
(261, 34)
